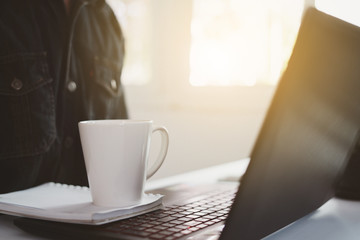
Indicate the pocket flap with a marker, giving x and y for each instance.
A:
(107, 75)
(23, 73)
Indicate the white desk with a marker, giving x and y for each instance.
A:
(337, 219)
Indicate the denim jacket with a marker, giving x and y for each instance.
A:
(56, 69)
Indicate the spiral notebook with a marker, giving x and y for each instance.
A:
(72, 204)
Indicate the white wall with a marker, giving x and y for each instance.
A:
(203, 134)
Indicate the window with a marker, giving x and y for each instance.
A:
(242, 42)
(232, 42)
(135, 19)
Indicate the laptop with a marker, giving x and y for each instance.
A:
(309, 131)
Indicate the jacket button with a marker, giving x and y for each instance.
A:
(113, 84)
(72, 86)
(17, 84)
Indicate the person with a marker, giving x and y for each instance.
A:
(60, 63)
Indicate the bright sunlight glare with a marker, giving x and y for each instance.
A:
(241, 42)
(347, 10)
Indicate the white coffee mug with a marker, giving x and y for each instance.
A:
(116, 155)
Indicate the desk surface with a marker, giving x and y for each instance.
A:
(337, 219)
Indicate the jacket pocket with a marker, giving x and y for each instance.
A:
(107, 76)
(27, 105)
(106, 92)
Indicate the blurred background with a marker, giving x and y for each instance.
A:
(207, 70)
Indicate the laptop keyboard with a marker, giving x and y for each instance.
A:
(177, 221)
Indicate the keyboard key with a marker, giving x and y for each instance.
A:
(166, 233)
(181, 227)
(160, 227)
(186, 232)
(151, 230)
(192, 223)
(157, 236)
(177, 222)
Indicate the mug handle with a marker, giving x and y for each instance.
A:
(163, 151)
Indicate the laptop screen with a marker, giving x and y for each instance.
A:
(308, 132)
